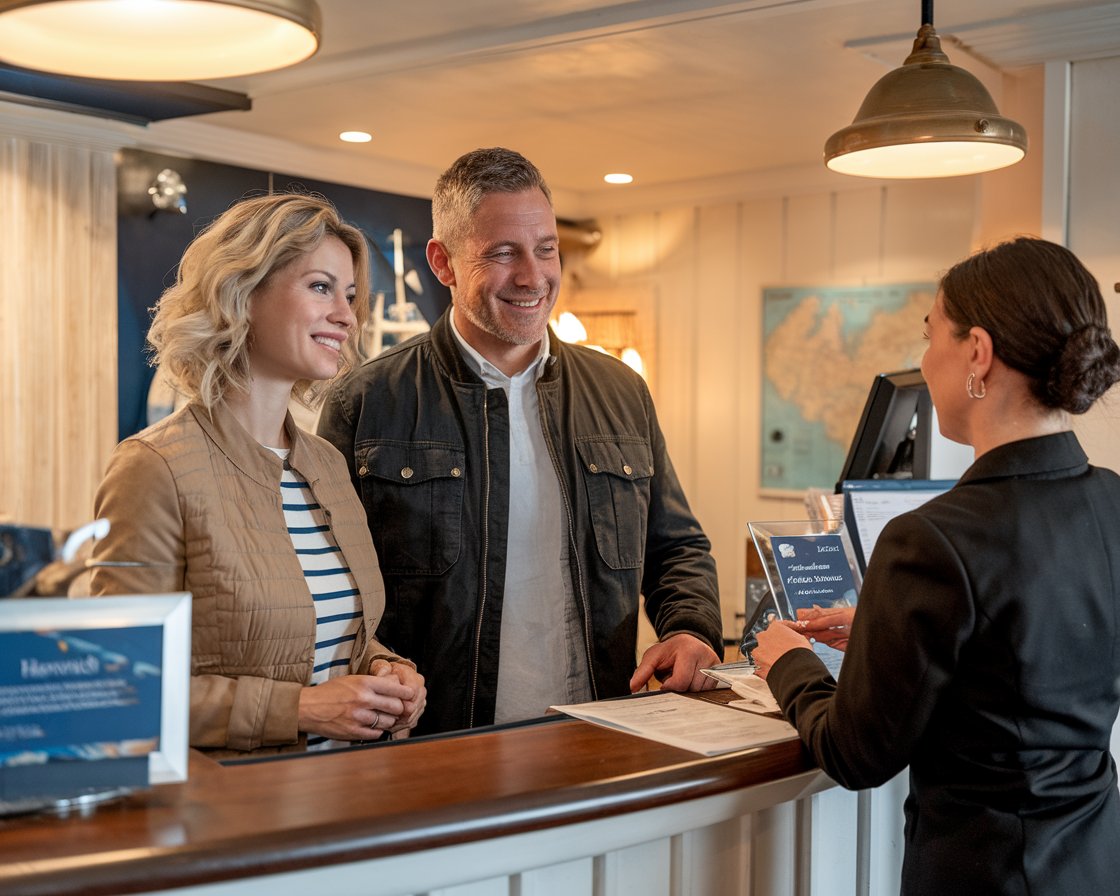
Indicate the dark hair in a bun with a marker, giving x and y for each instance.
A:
(1085, 369)
(1045, 314)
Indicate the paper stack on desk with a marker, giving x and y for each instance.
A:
(690, 723)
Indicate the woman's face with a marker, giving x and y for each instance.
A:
(945, 368)
(300, 317)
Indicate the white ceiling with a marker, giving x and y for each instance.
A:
(667, 90)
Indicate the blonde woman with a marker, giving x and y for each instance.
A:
(229, 500)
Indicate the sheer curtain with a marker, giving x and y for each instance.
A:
(58, 328)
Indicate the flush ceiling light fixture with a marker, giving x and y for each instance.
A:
(926, 119)
(158, 40)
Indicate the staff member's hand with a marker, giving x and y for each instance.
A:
(829, 625)
(774, 643)
(676, 662)
(353, 707)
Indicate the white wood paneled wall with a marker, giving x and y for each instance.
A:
(704, 268)
(1094, 221)
(58, 328)
(1083, 174)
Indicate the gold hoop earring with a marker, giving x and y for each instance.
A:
(968, 387)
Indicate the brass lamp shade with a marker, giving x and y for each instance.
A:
(168, 40)
(926, 119)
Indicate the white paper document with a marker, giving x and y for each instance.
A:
(685, 722)
(741, 678)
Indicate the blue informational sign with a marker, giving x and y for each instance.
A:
(80, 694)
(815, 572)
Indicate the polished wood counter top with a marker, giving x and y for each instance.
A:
(293, 812)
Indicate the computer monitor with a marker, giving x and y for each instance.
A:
(869, 504)
(898, 437)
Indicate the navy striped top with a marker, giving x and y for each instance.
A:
(338, 605)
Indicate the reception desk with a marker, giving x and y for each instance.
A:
(557, 806)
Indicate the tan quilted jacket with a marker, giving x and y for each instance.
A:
(199, 499)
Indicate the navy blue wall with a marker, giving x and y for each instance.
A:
(150, 244)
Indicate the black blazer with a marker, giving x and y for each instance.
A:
(986, 656)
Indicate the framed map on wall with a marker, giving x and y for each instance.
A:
(821, 349)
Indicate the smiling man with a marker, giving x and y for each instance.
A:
(518, 489)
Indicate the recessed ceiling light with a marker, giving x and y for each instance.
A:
(355, 137)
(618, 178)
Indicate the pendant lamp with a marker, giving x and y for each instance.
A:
(157, 40)
(926, 119)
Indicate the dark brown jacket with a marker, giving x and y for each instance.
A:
(427, 444)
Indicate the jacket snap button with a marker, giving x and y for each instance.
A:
(406, 473)
(594, 468)
(456, 472)
(362, 470)
(627, 469)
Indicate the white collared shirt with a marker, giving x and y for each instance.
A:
(536, 669)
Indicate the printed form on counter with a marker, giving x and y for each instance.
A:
(686, 722)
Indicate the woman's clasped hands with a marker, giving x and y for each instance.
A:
(364, 707)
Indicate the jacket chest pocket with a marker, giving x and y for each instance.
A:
(413, 494)
(616, 474)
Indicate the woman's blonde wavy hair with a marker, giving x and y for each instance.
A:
(200, 332)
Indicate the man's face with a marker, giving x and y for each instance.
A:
(506, 274)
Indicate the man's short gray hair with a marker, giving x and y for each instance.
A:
(470, 179)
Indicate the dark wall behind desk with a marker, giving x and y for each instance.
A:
(150, 244)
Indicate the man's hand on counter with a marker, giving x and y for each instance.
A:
(676, 663)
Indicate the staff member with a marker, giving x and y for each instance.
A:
(985, 650)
